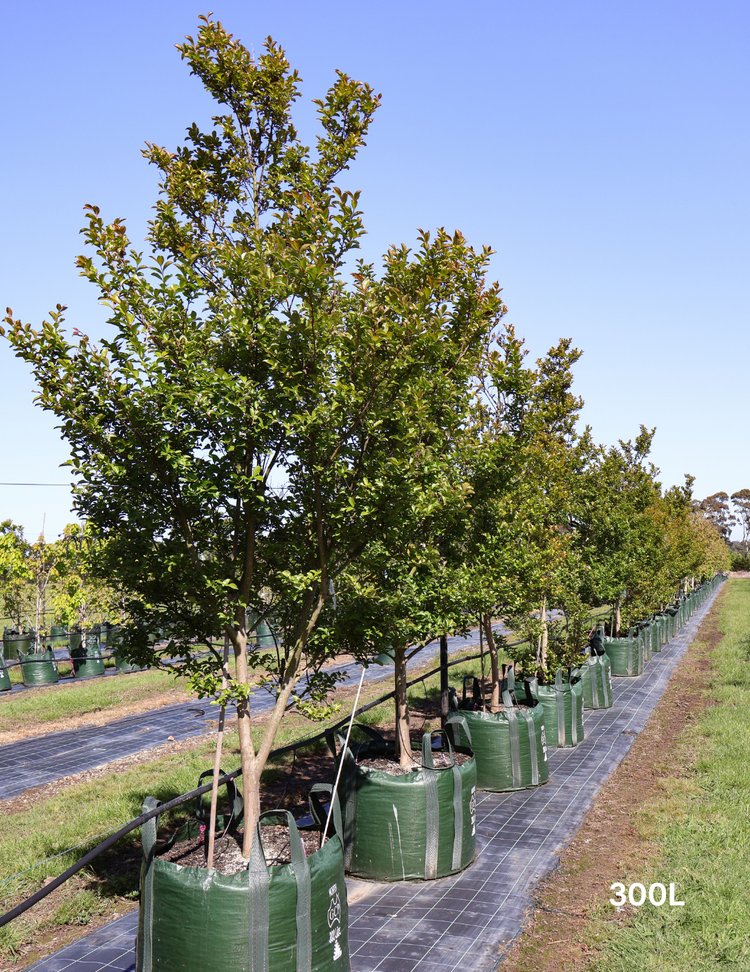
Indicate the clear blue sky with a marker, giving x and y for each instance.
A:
(600, 148)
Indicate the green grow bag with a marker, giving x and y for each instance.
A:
(58, 637)
(87, 661)
(264, 636)
(671, 613)
(38, 668)
(13, 643)
(5, 683)
(563, 709)
(121, 662)
(263, 632)
(596, 680)
(625, 654)
(655, 632)
(284, 918)
(510, 746)
(645, 638)
(123, 665)
(414, 827)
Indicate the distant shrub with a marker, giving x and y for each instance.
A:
(739, 562)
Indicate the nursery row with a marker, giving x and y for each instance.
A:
(38, 658)
(382, 823)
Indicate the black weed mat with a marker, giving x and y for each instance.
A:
(467, 921)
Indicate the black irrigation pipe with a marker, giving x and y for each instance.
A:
(199, 791)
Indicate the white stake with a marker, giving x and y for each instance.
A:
(341, 761)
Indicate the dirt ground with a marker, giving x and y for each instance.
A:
(608, 845)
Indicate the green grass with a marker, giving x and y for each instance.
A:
(64, 701)
(701, 829)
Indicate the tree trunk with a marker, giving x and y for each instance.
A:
(37, 646)
(217, 763)
(618, 619)
(541, 655)
(494, 666)
(403, 734)
(248, 761)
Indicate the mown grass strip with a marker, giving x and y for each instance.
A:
(700, 825)
(42, 705)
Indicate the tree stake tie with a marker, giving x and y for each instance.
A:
(341, 761)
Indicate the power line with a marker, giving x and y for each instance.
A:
(37, 484)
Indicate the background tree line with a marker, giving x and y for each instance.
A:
(45, 583)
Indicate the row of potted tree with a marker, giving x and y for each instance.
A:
(385, 826)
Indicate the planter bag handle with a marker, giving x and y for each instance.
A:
(334, 735)
(458, 722)
(258, 879)
(432, 806)
(595, 669)
(512, 683)
(318, 811)
(596, 643)
(513, 738)
(349, 781)
(528, 718)
(560, 698)
(148, 840)
(514, 714)
(606, 673)
(236, 802)
(427, 760)
(532, 685)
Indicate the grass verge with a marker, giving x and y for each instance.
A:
(700, 827)
(674, 812)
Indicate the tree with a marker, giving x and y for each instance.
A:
(520, 462)
(81, 598)
(28, 572)
(615, 533)
(741, 503)
(15, 572)
(716, 509)
(256, 420)
(43, 561)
